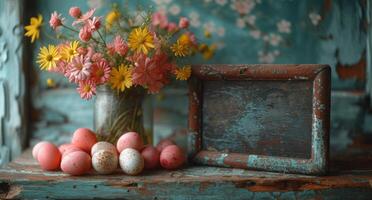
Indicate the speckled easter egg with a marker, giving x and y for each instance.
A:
(36, 148)
(49, 157)
(131, 161)
(129, 140)
(172, 157)
(76, 163)
(103, 146)
(84, 139)
(151, 157)
(63, 147)
(164, 143)
(105, 162)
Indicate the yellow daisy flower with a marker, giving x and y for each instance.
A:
(141, 40)
(33, 29)
(181, 49)
(183, 73)
(48, 57)
(111, 17)
(121, 78)
(68, 52)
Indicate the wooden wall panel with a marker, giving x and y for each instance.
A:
(12, 81)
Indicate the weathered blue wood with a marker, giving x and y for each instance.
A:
(250, 116)
(23, 179)
(259, 117)
(12, 81)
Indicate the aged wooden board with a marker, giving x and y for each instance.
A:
(265, 117)
(23, 179)
(259, 117)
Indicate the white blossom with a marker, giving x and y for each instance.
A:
(221, 2)
(275, 39)
(240, 23)
(315, 18)
(266, 57)
(284, 26)
(174, 10)
(221, 31)
(256, 34)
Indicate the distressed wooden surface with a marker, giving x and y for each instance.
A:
(12, 81)
(24, 179)
(265, 117)
(258, 117)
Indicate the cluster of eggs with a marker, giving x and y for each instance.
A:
(85, 153)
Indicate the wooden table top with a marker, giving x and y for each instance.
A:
(23, 178)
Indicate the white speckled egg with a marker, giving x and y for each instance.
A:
(105, 162)
(103, 146)
(131, 161)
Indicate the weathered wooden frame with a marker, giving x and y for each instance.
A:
(318, 74)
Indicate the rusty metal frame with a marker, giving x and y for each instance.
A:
(319, 74)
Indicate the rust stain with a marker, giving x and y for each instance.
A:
(327, 6)
(353, 71)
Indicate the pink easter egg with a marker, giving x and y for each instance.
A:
(151, 156)
(164, 143)
(84, 139)
(70, 149)
(63, 147)
(172, 157)
(76, 163)
(49, 157)
(129, 140)
(36, 148)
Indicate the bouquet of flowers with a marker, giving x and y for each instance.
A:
(128, 53)
(142, 49)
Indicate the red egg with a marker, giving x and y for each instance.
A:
(129, 140)
(151, 156)
(63, 147)
(49, 157)
(84, 139)
(70, 150)
(76, 163)
(164, 143)
(172, 157)
(36, 148)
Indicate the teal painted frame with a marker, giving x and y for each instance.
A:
(320, 75)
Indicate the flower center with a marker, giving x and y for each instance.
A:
(49, 58)
(99, 73)
(71, 52)
(79, 66)
(86, 88)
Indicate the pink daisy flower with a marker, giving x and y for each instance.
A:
(159, 19)
(111, 49)
(85, 34)
(75, 12)
(147, 74)
(83, 18)
(101, 72)
(60, 68)
(55, 20)
(184, 22)
(97, 57)
(120, 46)
(94, 23)
(79, 69)
(172, 27)
(86, 89)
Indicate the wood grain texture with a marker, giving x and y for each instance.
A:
(259, 117)
(12, 81)
(23, 179)
(265, 117)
